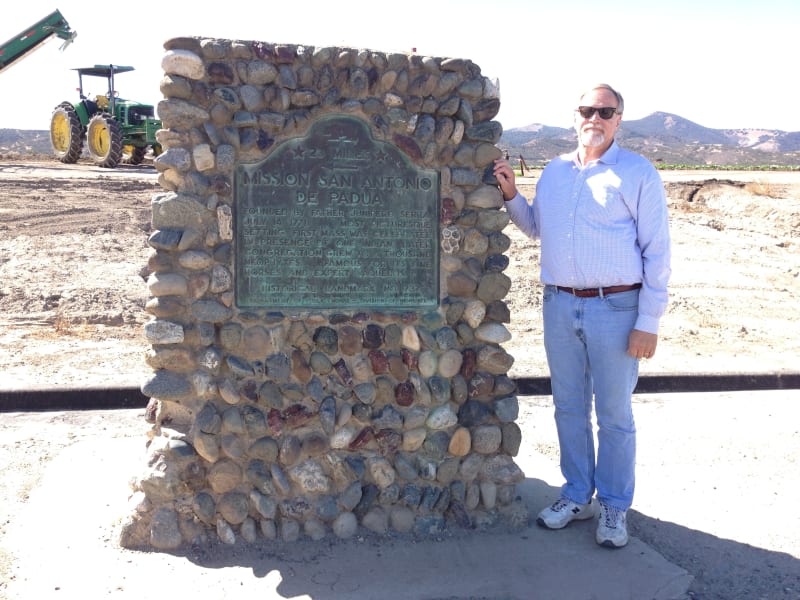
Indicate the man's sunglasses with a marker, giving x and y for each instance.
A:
(605, 112)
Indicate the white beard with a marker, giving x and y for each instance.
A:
(593, 138)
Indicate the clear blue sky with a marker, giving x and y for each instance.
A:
(721, 64)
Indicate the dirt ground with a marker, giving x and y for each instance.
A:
(72, 290)
(73, 242)
(73, 252)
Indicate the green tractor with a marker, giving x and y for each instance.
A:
(115, 130)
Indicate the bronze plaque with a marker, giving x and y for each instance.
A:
(336, 220)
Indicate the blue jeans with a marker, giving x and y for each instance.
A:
(586, 341)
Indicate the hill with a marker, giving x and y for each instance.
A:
(668, 139)
(662, 137)
(24, 142)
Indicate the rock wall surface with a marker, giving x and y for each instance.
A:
(281, 424)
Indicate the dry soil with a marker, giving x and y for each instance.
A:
(72, 289)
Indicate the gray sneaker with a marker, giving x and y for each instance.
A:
(612, 530)
(559, 514)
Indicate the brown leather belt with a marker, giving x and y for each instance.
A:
(595, 292)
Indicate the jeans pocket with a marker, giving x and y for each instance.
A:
(549, 293)
(623, 301)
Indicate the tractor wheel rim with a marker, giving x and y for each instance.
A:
(100, 141)
(60, 132)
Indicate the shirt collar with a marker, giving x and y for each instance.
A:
(609, 157)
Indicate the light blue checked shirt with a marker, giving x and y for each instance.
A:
(602, 224)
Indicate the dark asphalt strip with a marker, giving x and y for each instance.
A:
(116, 398)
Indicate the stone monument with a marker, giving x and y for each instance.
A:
(326, 291)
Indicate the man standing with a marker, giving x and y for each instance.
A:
(601, 215)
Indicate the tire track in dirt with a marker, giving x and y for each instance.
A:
(51, 207)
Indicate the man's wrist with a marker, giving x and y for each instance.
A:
(514, 195)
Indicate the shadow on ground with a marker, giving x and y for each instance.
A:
(722, 569)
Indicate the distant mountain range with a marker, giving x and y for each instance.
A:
(665, 138)
(661, 137)
(25, 141)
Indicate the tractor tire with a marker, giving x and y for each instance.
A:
(104, 140)
(133, 155)
(66, 133)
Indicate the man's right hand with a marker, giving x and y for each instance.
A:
(505, 178)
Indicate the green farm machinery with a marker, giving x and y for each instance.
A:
(25, 42)
(115, 130)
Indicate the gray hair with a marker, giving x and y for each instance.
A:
(617, 95)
